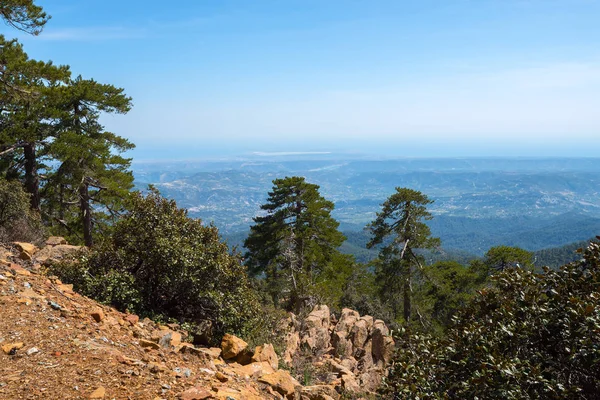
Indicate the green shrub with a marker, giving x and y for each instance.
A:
(161, 263)
(17, 221)
(529, 336)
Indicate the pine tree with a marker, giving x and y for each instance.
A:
(23, 15)
(400, 231)
(295, 245)
(28, 113)
(92, 178)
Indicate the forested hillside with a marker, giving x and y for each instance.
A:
(478, 203)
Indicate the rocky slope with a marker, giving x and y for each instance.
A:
(57, 344)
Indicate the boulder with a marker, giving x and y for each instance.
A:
(319, 392)
(245, 356)
(371, 379)
(97, 314)
(360, 333)
(55, 241)
(316, 329)
(132, 319)
(232, 346)
(282, 382)
(342, 346)
(170, 339)
(266, 353)
(350, 384)
(253, 370)
(27, 250)
(347, 319)
(51, 254)
(383, 345)
(150, 344)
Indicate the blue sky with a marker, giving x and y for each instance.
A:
(408, 78)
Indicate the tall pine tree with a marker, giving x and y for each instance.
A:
(92, 178)
(400, 230)
(27, 114)
(295, 244)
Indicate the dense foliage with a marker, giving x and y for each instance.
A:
(529, 336)
(160, 262)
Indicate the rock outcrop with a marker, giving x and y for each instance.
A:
(356, 350)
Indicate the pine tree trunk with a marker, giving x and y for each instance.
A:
(32, 183)
(407, 299)
(86, 215)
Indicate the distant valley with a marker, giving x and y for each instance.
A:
(479, 202)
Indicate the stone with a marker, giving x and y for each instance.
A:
(196, 393)
(149, 344)
(156, 368)
(54, 305)
(266, 353)
(347, 319)
(316, 329)
(221, 377)
(282, 382)
(215, 352)
(253, 370)
(11, 348)
(341, 344)
(20, 270)
(27, 250)
(360, 334)
(55, 241)
(97, 314)
(350, 385)
(245, 357)
(292, 343)
(51, 254)
(31, 294)
(232, 346)
(383, 344)
(371, 379)
(132, 319)
(320, 392)
(350, 363)
(32, 351)
(170, 339)
(205, 356)
(66, 288)
(99, 393)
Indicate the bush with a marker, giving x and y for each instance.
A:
(17, 221)
(530, 336)
(161, 263)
